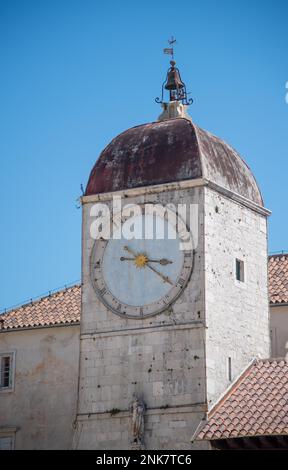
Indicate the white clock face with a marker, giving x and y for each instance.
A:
(140, 277)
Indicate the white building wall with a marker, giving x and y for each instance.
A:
(237, 314)
(42, 405)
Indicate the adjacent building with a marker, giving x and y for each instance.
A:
(39, 362)
(278, 290)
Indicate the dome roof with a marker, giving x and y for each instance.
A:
(170, 151)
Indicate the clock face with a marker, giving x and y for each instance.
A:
(140, 277)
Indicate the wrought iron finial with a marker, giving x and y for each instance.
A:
(173, 82)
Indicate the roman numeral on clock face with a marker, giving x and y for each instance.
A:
(166, 299)
(103, 291)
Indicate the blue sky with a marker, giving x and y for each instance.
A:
(76, 73)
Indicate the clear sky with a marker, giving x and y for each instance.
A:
(76, 73)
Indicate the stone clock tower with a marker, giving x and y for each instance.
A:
(165, 330)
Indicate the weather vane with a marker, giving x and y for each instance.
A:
(170, 50)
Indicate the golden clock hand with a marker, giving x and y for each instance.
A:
(140, 259)
(165, 278)
(162, 261)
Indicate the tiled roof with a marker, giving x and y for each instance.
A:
(278, 278)
(257, 404)
(63, 307)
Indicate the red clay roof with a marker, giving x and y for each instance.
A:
(256, 405)
(63, 307)
(278, 278)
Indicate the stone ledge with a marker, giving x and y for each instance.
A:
(144, 190)
(142, 330)
(195, 408)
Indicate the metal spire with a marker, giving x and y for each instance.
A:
(173, 82)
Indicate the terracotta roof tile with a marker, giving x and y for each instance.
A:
(246, 412)
(59, 308)
(278, 278)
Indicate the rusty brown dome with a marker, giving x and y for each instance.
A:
(170, 151)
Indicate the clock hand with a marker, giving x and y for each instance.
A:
(130, 251)
(162, 261)
(165, 278)
(140, 259)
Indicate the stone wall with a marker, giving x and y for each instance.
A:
(237, 313)
(169, 428)
(176, 361)
(42, 405)
(160, 358)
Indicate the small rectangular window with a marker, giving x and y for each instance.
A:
(6, 371)
(7, 437)
(239, 270)
(229, 369)
(6, 443)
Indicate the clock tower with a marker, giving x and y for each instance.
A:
(174, 281)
